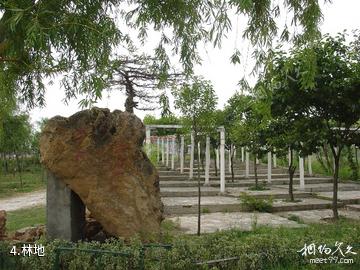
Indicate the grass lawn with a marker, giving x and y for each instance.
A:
(10, 185)
(25, 217)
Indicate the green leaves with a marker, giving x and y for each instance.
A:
(197, 103)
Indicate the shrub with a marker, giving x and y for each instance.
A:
(251, 203)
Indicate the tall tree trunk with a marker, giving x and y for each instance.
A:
(18, 165)
(255, 173)
(292, 169)
(130, 104)
(327, 159)
(199, 190)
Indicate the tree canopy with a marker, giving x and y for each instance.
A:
(76, 39)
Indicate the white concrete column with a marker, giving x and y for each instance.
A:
(222, 160)
(182, 155)
(148, 140)
(167, 151)
(257, 161)
(269, 167)
(162, 150)
(173, 153)
(217, 158)
(242, 154)
(274, 160)
(310, 165)
(301, 169)
(289, 156)
(192, 146)
(247, 164)
(158, 149)
(230, 152)
(207, 161)
(199, 152)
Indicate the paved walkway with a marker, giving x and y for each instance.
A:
(25, 200)
(221, 221)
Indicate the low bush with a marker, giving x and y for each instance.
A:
(264, 248)
(251, 203)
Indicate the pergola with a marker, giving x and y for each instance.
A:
(166, 146)
(161, 145)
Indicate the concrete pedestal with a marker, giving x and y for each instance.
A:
(64, 210)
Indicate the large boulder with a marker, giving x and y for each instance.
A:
(99, 155)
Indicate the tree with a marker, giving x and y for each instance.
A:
(15, 140)
(331, 104)
(233, 113)
(197, 102)
(250, 129)
(40, 39)
(139, 76)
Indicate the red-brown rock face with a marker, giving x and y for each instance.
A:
(2, 224)
(98, 155)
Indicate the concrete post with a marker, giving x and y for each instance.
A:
(64, 210)
(199, 152)
(247, 165)
(310, 165)
(158, 149)
(230, 152)
(222, 160)
(182, 155)
(269, 168)
(289, 156)
(274, 160)
(242, 154)
(192, 146)
(217, 158)
(301, 169)
(167, 151)
(257, 161)
(207, 161)
(173, 153)
(148, 140)
(162, 150)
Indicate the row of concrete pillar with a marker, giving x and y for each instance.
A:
(166, 146)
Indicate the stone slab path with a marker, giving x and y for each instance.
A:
(317, 216)
(25, 200)
(222, 221)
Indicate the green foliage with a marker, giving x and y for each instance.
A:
(259, 187)
(197, 102)
(27, 217)
(167, 120)
(251, 203)
(264, 248)
(33, 179)
(39, 40)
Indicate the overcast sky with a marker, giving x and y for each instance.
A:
(216, 66)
